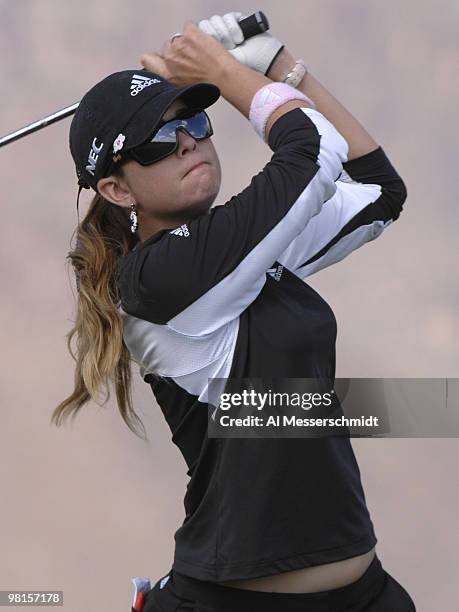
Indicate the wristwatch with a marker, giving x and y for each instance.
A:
(295, 76)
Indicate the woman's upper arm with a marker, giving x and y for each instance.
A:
(201, 278)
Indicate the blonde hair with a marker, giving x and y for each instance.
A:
(101, 356)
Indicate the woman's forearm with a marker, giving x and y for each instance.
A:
(359, 140)
(238, 85)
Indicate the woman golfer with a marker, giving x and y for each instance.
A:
(193, 292)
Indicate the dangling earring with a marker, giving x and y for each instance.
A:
(134, 220)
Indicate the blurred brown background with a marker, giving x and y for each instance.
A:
(86, 507)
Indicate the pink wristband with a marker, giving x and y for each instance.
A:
(267, 99)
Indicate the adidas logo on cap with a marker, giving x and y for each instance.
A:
(139, 82)
(181, 231)
(276, 273)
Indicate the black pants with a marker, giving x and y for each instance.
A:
(374, 591)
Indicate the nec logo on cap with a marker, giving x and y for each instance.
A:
(139, 82)
(93, 156)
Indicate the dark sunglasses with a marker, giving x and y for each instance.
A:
(164, 140)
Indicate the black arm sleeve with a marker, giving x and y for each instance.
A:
(369, 197)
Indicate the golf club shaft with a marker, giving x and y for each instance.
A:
(37, 125)
(251, 26)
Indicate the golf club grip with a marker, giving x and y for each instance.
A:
(254, 24)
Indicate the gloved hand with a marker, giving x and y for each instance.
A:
(257, 52)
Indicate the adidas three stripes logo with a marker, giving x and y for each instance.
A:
(181, 231)
(276, 273)
(139, 82)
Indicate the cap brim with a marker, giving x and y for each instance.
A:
(198, 95)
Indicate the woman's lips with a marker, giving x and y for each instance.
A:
(195, 167)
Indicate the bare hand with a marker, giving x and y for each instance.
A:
(194, 57)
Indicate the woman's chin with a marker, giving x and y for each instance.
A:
(203, 195)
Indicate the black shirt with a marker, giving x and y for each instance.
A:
(223, 296)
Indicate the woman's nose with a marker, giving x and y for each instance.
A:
(186, 142)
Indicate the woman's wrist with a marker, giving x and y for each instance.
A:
(222, 68)
(238, 83)
(282, 65)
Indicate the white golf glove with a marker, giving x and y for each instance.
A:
(257, 52)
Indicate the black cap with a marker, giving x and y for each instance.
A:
(120, 112)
